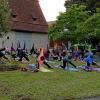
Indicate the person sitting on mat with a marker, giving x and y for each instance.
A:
(67, 60)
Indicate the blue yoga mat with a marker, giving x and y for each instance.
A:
(71, 69)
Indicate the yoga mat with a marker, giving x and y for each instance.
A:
(57, 66)
(71, 69)
(49, 61)
(81, 67)
(96, 69)
(42, 69)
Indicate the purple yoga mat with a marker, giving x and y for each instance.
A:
(97, 69)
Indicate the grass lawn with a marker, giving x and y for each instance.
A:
(56, 85)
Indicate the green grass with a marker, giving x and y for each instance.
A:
(57, 85)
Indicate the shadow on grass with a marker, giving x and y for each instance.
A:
(22, 97)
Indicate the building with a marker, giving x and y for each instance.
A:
(28, 25)
(51, 23)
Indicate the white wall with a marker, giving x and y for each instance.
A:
(7, 42)
(24, 37)
(39, 39)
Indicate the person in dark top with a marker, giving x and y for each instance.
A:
(82, 54)
(67, 60)
(33, 50)
(98, 48)
(98, 52)
(3, 53)
(23, 54)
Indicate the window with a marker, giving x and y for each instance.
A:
(8, 37)
(14, 15)
(34, 19)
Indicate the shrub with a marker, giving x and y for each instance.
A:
(9, 67)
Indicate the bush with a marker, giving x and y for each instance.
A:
(9, 67)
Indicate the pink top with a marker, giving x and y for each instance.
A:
(40, 62)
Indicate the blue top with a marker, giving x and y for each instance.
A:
(89, 59)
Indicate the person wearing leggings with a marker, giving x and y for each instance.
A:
(23, 55)
(67, 61)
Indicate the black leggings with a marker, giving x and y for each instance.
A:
(67, 62)
(3, 56)
(47, 64)
(24, 56)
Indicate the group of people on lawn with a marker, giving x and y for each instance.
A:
(60, 54)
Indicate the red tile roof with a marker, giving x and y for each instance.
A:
(27, 16)
(50, 23)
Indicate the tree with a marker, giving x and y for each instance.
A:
(80, 24)
(91, 27)
(90, 4)
(71, 20)
(56, 31)
(4, 17)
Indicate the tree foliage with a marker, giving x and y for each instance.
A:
(91, 27)
(80, 23)
(90, 4)
(4, 17)
(56, 31)
(71, 20)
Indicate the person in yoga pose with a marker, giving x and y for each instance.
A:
(3, 53)
(89, 61)
(67, 61)
(23, 54)
(41, 59)
(33, 50)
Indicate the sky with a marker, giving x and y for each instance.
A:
(51, 8)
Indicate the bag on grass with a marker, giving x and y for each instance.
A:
(32, 66)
